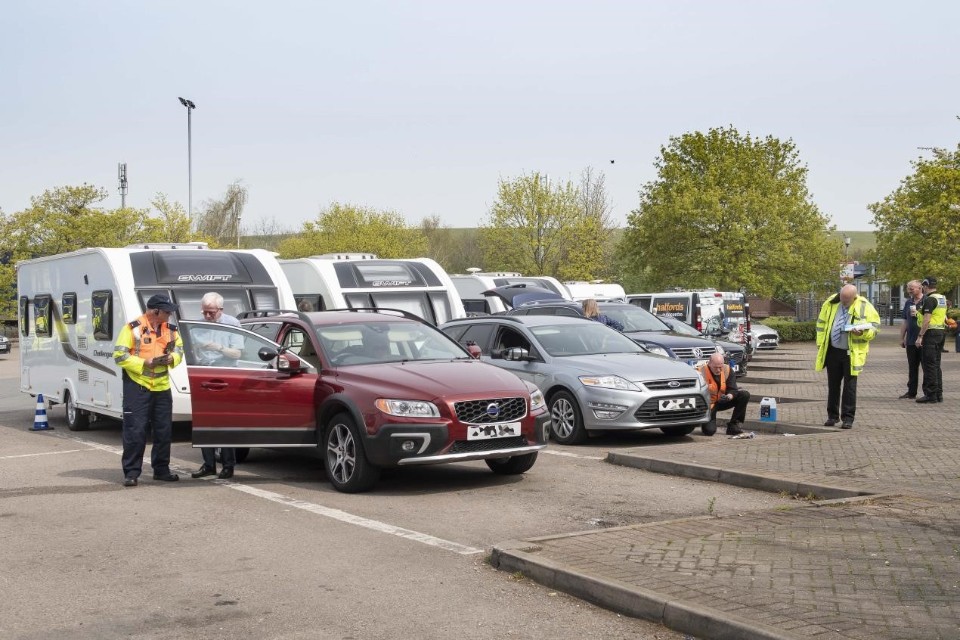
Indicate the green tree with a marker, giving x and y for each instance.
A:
(918, 225)
(220, 219)
(728, 211)
(345, 228)
(539, 227)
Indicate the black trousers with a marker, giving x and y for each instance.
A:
(228, 456)
(930, 357)
(739, 404)
(841, 405)
(142, 410)
(913, 368)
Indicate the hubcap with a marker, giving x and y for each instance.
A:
(563, 418)
(341, 453)
(71, 411)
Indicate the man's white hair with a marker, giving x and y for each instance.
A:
(212, 298)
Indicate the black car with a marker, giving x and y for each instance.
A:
(735, 351)
(643, 328)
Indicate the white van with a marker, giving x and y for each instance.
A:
(352, 280)
(694, 308)
(73, 305)
(598, 290)
(470, 288)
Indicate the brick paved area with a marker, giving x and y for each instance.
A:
(886, 566)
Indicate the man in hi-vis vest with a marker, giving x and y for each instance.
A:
(932, 321)
(847, 324)
(724, 394)
(146, 349)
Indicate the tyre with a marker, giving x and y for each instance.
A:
(343, 457)
(77, 419)
(512, 466)
(566, 420)
(242, 453)
(678, 432)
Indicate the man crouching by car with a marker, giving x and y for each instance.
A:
(724, 394)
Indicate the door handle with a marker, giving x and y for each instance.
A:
(214, 385)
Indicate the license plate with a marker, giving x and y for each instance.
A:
(489, 431)
(735, 367)
(678, 404)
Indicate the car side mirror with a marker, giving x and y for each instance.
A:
(267, 354)
(288, 363)
(516, 354)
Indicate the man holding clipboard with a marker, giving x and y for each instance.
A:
(847, 324)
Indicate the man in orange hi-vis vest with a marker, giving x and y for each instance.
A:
(724, 394)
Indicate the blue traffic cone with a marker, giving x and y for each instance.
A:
(40, 416)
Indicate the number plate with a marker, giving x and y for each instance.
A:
(489, 431)
(677, 404)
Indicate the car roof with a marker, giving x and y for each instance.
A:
(332, 317)
(529, 321)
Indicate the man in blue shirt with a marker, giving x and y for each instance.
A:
(909, 331)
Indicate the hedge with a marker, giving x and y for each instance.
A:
(791, 331)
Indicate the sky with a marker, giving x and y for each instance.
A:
(422, 107)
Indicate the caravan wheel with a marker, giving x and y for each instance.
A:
(77, 419)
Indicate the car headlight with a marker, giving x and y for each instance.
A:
(609, 382)
(537, 401)
(657, 349)
(721, 350)
(408, 408)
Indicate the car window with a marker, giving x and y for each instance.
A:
(569, 312)
(297, 342)
(197, 336)
(580, 339)
(480, 334)
(541, 311)
(508, 338)
(379, 342)
(634, 318)
(269, 330)
(682, 328)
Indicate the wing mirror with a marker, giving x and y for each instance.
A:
(516, 354)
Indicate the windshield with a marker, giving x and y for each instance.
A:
(682, 328)
(634, 318)
(580, 339)
(379, 342)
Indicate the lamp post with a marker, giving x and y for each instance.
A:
(190, 107)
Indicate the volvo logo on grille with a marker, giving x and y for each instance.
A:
(698, 352)
(674, 384)
(493, 409)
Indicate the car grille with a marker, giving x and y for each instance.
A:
(689, 353)
(661, 385)
(479, 446)
(735, 356)
(649, 411)
(475, 411)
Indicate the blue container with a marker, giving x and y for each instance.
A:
(768, 410)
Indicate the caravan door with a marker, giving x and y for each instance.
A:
(246, 402)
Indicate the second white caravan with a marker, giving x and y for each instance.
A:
(352, 280)
(73, 305)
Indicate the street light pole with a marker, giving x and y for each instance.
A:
(190, 107)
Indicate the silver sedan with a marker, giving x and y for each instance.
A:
(593, 377)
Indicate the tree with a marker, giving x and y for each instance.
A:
(537, 227)
(728, 211)
(918, 225)
(220, 219)
(343, 228)
(172, 224)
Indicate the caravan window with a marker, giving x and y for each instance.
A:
(102, 314)
(68, 308)
(416, 303)
(24, 316)
(41, 315)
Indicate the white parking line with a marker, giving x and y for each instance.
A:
(318, 509)
(567, 454)
(45, 453)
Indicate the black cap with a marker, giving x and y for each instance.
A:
(161, 302)
(929, 281)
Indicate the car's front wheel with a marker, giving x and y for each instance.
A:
(344, 460)
(566, 421)
(77, 419)
(512, 466)
(677, 432)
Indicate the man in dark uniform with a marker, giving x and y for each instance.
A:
(932, 318)
(908, 336)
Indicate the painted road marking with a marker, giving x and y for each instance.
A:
(567, 454)
(317, 509)
(46, 453)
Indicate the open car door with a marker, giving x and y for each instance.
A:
(264, 397)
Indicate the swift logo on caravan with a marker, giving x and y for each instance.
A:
(204, 278)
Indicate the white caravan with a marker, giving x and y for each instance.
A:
(470, 288)
(73, 305)
(598, 290)
(352, 280)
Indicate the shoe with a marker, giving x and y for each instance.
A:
(129, 482)
(847, 425)
(733, 429)
(925, 399)
(939, 398)
(830, 422)
(166, 477)
(908, 395)
(203, 472)
(225, 473)
(710, 428)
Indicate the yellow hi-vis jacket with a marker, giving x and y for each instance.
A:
(861, 312)
(138, 342)
(938, 319)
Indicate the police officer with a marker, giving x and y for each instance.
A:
(724, 394)
(146, 349)
(932, 319)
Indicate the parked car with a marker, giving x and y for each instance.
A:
(765, 337)
(641, 326)
(367, 390)
(4, 344)
(593, 377)
(735, 353)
